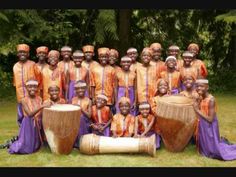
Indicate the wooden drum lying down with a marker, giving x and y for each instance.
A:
(61, 124)
(176, 121)
(94, 144)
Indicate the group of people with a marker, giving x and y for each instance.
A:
(118, 100)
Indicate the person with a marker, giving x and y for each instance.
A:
(162, 90)
(144, 123)
(122, 124)
(174, 50)
(30, 139)
(197, 63)
(101, 116)
(126, 84)
(189, 84)
(147, 77)
(208, 140)
(156, 57)
(133, 54)
(54, 92)
(102, 78)
(66, 66)
(85, 103)
(113, 58)
(53, 75)
(78, 72)
(23, 70)
(187, 67)
(172, 75)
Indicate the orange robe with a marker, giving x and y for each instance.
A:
(84, 103)
(102, 78)
(160, 66)
(60, 101)
(193, 95)
(172, 78)
(50, 77)
(100, 118)
(78, 73)
(200, 65)
(133, 66)
(123, 126)
(146, 82)
(89, 65)
(21, 73)
(65, 66)
(33, 104)
(144, 122)
(189, 70)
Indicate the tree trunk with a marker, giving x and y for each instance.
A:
(124, 30)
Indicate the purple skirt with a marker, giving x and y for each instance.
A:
(174, 91)
(20, 115)
(158, 139)
(106, 132)
(84, 129)
(71, 92)
(121, 93)
(210, 144)
(29, 138)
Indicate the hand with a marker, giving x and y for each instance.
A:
(195, 105)
(136, 136)
(47, 104)
(114, 136)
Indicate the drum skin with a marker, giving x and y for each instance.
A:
(176, 121)
(61, 126)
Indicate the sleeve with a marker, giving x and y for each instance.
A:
(91, 78)
(131, 125)
(204, 72)
(113, 123)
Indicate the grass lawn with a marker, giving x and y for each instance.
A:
(188, 158)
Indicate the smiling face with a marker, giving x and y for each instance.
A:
(171, 63)
(100, 102)
(193, 50)
(124, 108)
(53, 60)
(125, 65)
(162, 87)
(80, 91)
(144, 112)
(146, 57)
(156, 53)
(133, 55)
(188, 82)
(112, 59)
(42, 56)
(32, 90)
(187, 60)
(78, 60)
(54, 92)
(66, 55)
(202, 89)
(103, 58)
(88, 56)
(173, 52)
(22, 55)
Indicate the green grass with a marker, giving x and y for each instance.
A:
(189, 158)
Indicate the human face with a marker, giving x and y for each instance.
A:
(144, 112)
(103, 58)
(42, 56)
(202, 89)
(156, 54)
(66, 55)
(146, 58)
(54, 92)
(187, 60)
(174, 53)
(171, 63)
(32, 89)
(78, 60)
(125, 65)
(124, 108)
(112, 59)
(22, 55)
(88, 56)
(133, 56)
(193, 50)
(163, 87)
(80, 91)
(100, 102)
(188, 82)
(52, 60)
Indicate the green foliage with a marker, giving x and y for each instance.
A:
(229, 17)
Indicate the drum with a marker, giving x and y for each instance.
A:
(61, 124)
(94, 144)
(176, 121)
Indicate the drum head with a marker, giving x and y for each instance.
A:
(64, 107)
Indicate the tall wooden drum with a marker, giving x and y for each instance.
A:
(176, 121)
(94, 144)
(61, 124)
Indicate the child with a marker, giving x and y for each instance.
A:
(147, 77)
(85, 103)
(122, 124)
(29, 135)
(78, 72)
(144, 123)
(102, 77)
(189, 84)
(174, 50)
(133, 54)
(66, 66)
(23, 70)
(52, 75)
(156, 57)
(101, 116)
(197, 63)
(208, 138)
(113, 57)
(54, 92)
(172, 75)
(126, 84)
(88, 55)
